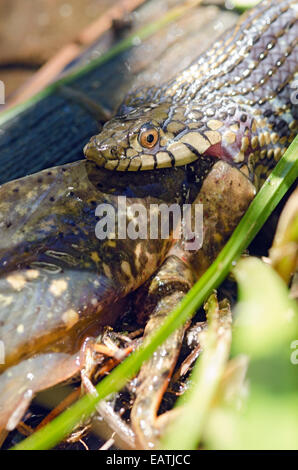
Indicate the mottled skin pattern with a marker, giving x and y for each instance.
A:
(48, 247)
(59, 283)
(232, 103)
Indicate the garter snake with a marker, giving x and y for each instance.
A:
(237, 102)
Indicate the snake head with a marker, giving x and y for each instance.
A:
(141, 139)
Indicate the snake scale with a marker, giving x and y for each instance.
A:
(237, 102)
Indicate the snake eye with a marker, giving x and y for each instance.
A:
(148, 137)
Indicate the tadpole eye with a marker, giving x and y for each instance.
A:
(148, 137)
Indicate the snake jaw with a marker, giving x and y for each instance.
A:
(104, 154)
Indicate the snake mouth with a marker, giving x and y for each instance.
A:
(177, 154)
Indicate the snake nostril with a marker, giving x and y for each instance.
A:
(114, 152)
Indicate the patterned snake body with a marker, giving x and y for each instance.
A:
(237, 102)
(59, 283)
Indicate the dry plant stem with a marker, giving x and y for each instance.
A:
(106, 411)
(3, 436)
(119, 47)
(107, 444)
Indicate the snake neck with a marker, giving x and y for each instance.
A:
(241, 94)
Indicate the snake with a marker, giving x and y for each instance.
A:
(237, 102)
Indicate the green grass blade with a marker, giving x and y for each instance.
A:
(276, 185)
